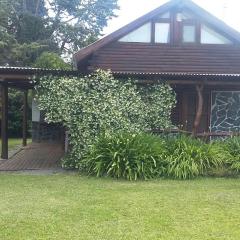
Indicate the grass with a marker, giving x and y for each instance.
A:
(15, 142)
(72, 207)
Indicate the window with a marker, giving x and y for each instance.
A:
(162, 32)
(142, 34)
(181, 16)
(35, 111)
(189, 34)
(187, 25)
(165, 15)
(209, 36)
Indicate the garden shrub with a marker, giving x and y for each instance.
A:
(98, 104)
(232, 149)
(218, 152)
(126, 155)
(160, 101)
(188, 157)
(228, 152)
(145, 156)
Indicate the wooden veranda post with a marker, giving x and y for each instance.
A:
(200, 101)
(4, 120)
(25, 117)
(185, 111)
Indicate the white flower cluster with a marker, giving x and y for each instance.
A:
(99, 104)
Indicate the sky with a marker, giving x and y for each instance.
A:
(226, 10)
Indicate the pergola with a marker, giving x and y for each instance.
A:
(22, 79)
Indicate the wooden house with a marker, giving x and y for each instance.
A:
(178, 43)
(181, 44)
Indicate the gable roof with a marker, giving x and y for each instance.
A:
(188, 4)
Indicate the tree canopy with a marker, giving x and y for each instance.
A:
(30, 27)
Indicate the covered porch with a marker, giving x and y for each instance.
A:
(194, 91)
(21, 79)
(207, 104)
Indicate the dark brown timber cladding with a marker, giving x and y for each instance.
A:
(141, 57)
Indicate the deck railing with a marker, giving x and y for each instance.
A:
(205, 135)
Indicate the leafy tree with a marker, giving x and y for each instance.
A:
(77, 23)
(15, 113)
(38, 32)
(51, 60)
(22, 33)
(30, 27)
(97, 105)
(7, 46)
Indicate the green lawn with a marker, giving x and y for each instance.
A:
(73, 207)
(15, 142)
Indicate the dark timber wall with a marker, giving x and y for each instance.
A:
(142, 57)
(223, 111)
(185, 111)
(43, 132)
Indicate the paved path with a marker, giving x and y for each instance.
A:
(36, 156)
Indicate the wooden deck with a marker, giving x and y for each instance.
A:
(36, 156)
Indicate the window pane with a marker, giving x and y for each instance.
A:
(209, 36)
(184, 16)
(142, 34)
(189, 33)
(165, 15)
(162, 32)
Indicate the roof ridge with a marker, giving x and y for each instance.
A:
(204, 14)
(121, 31)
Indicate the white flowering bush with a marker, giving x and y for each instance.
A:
(98, 104)
(159, 100)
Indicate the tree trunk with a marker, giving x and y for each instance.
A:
(199, 89)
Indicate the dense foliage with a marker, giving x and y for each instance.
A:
(229, 151)
(39, 33)
(52, 61)
(144, 156)
(233, 148)
(107, 121)
(188, 157)
(15, 113)
(159, 103)
(99, 104)
(30, 27)
(129, 156)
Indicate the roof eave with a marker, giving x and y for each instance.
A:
(84, 52)
(87, 51)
